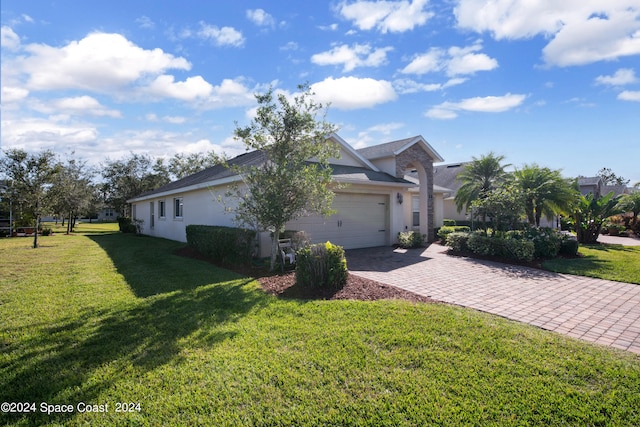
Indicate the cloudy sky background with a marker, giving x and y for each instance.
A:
(556, 83)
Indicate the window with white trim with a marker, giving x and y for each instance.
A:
(415, 204)
(162, 210)
(177, 207)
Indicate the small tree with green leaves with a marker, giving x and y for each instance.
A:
(631, 203)
(286, 185)
(31, 177)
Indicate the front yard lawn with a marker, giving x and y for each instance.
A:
(111, 319)
(604, 261)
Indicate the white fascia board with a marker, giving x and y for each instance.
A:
(376, 183)
(336, 138)
(216, 183)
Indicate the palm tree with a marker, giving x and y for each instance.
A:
(478, 178)
(545, 192)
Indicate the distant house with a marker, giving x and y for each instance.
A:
(596, 186)
(446, 177)
(378, 199)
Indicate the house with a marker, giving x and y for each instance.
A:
(377, 198)
(596, 186)
(446, 177)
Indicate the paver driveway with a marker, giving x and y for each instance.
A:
(595, 310)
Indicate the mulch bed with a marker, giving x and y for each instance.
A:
(284, 284)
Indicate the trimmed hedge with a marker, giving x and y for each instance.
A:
(322, 265)
(226, 244)
(445, 230)
(410, 239)
(458, 241)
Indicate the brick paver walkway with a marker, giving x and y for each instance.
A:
(595, 310)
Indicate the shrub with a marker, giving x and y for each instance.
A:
(547, 241)
(448, 229)
(569, 246)
(410, 239)
(522, 250)
(481, 244)
(322, 265)
(125, 224)
(226, 244)
(46, 231)
(449, 222)
(457, 241)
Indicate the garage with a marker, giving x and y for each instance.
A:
(361, 222)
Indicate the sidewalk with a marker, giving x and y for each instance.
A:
(596, 310)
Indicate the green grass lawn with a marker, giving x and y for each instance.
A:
(84, 227)
(604, 261)
(110, 318)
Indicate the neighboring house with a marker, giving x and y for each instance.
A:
(446, 176)
(596, 186)
(375, 201)
(106, 215)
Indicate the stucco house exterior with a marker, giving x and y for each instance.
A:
(377, 197)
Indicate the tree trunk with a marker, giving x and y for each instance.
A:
(274, 249)
(35, 232)
(69, 229)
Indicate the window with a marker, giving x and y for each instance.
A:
(415, 202)
(152, 215)
(177, 207)
(162, 209)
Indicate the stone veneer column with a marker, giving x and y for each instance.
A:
(413, 157)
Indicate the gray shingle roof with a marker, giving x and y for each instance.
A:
(253, 158)
(383, 150)
(447, 175)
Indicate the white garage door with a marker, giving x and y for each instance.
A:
(361, 222)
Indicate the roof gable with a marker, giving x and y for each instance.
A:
(393, 148)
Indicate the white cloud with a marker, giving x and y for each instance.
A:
(350, 93)
(260, 18)
(386, 16)
(629, 95)
(230, 93)
(580, 31)
(9, 39)
(99, 62)
(404, 86)
(225, 36)
(12, 94)
(358, 55)
(188, 90)
(487, 104)
(623, 76)
(83, 105)
(145, 22)
(34, 134)
(454, 61)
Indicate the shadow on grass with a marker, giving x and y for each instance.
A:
(80, 356)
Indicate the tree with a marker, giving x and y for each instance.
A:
(130, 177)
(31, 177)
(590, 212)
(503, 206)
(182, 164)
(545, 192)
(630, 203)
(610, 178)
(478, 178)
(286, 185)
(72, 190)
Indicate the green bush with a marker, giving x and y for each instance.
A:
(457, 241)
(322, 265)
(569, 246)
(410, 239)
(547, 241)
(125, 224)
(481, 244)
(522, 250)
(444, 231)
(449, 222)
(46, 231)
(226, 244)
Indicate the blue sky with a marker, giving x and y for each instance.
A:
(547, 82)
